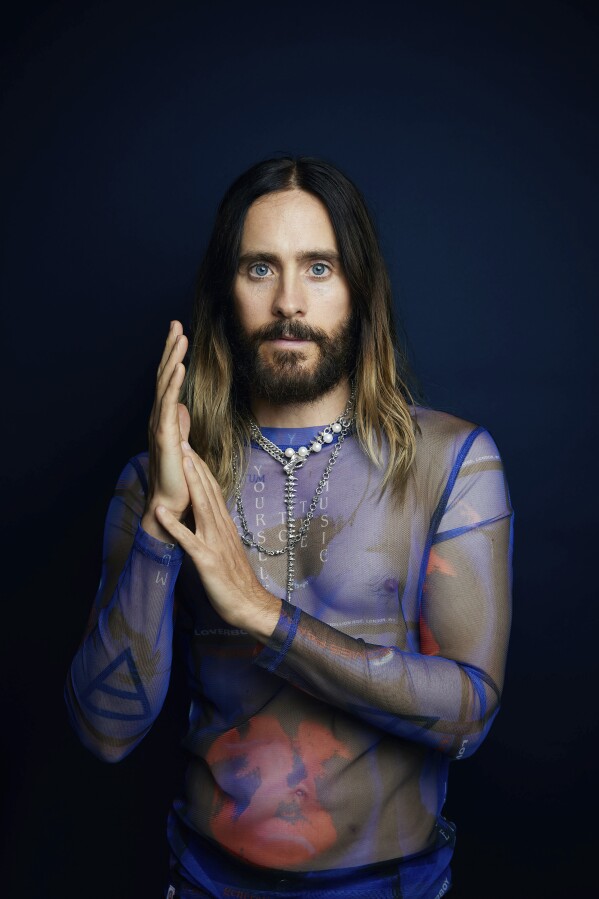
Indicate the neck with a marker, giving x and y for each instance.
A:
(302, 415)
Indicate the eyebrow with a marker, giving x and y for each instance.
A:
(254, 255)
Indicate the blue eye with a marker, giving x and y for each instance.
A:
(260, 269)
(319, 269)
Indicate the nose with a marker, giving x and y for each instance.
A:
(289, 299)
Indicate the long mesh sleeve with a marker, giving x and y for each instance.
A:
(119, 676)
(443, 689)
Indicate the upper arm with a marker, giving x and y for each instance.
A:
(466, 603)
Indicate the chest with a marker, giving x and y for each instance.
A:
(360, 554)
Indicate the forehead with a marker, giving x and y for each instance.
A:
(287, 219)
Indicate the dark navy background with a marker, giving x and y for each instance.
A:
(472, 130)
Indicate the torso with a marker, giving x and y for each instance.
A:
(276, 773)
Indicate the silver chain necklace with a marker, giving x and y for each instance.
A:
(291, 461)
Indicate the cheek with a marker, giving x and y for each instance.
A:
(250, 303)
(334, 300)
(334, 311)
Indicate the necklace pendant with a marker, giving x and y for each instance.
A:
(295, 462)
(291, 460)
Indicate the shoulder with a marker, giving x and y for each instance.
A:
(433, 424)
(444, 442)
(459, 471)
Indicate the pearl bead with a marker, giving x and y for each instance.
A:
(289, 452)
(336, 428)
(302, 451)
(328, 438)
(316, 447)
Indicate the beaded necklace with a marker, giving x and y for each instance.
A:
(292, 460)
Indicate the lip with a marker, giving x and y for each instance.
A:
(288, 342)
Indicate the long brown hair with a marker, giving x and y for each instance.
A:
(219, 415)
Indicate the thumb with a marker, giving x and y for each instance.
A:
(184, 421)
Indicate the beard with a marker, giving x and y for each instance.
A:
(283, 378)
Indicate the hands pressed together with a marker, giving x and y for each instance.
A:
(169, 424)
(178, 479)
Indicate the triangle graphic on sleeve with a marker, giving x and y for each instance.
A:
(133, 704)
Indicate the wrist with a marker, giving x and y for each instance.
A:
(168, 554)
(258, 614)
(151, 526)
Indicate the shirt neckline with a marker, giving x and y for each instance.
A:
(293, 437)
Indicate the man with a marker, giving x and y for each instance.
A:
(353, 641)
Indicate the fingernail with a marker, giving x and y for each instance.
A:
(188, 462)
(185, 445)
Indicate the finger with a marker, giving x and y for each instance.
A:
(210, 476)
(202, 503)
(188, 450)
(168, 412)
(177, 354)
(218, 525)
(210, 482)
(175, 329)
(184, 421)
(174, 352)
(212, 488)
(181, 534)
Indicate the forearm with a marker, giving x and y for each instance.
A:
(120, 674)
(432, 700)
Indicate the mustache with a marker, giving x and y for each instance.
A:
(279, 330)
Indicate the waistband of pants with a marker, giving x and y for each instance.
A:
(375, 888)
(219, 874)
